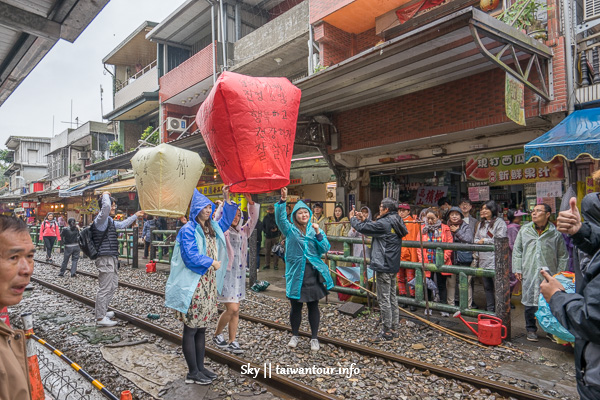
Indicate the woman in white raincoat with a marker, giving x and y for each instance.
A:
(234, 286)
(196, 276)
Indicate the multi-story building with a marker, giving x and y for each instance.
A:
(135, 86)
(416, 99)
(73, 149)
(29, 162)
(199, 40)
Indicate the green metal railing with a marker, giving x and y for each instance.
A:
(499, 274)
(128, 245)
(162, 244)
(34, 232)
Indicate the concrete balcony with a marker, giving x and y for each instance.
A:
(136, 86)
(277, 48)
(190, 82)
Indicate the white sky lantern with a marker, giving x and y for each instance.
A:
(165, 177)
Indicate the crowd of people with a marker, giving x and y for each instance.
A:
(532, 245)
(210, 259)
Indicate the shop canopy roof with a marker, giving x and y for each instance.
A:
(78, 190)
(126, 185)
(464, 43)
(576, 135)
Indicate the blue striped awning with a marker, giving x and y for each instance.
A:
(575, 136)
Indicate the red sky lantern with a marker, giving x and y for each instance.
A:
(249, 126)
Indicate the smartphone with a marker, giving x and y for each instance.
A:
(547, 270)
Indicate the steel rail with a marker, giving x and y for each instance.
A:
(279, 382)
(483, 383)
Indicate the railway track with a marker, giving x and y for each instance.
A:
(281, 381)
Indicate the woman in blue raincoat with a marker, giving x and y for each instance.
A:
(307, 276)
(196, 276)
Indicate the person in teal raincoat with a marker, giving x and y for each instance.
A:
(196, 276)
(307, 276)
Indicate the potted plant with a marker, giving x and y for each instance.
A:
(150, 135)
(522, 14)
(116, 148)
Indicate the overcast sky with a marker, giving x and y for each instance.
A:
(75, 71)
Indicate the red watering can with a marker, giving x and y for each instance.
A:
(151, 267)
(489, 328)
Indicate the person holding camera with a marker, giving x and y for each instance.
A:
(579, 312)
(105, 237)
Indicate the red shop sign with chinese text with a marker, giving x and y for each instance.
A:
(509, 168)
(249, 126)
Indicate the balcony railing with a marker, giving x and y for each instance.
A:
(589, 90)
(137, 84)
(193, 70)
(138, 74)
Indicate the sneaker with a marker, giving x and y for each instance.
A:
(444, 314)
(266, 267)
(220, 341)
(293, 342)
(314, 345)
(551, 337)
(198, 378)
(428, 312)
(235, 348)
(110, 314)
(383, 337)
(61, 274)
(412, 308)
(106, 322)
(532, 336)
(73, 275)
(395, 333)
(512, 306)
(209, 374)
(276, 267)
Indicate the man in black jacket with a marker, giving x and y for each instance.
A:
(387, 233)
(579, 312)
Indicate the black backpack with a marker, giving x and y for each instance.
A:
(86, 241)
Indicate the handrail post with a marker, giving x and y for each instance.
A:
(134, 259)
(463, 291)
(253, 256)
(152, 248)
(439, 261)
(502, 282)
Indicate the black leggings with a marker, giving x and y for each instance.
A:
(314, 317)
(193, 348)
(49, 244)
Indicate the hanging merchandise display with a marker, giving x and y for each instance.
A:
(249, 126)
(166, 177)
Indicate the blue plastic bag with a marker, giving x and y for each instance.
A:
(544, 316)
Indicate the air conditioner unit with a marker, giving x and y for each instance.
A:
(176, 124)
(83, 155)
(591, 9)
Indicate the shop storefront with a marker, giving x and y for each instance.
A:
(507, 179)
(419, 186)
